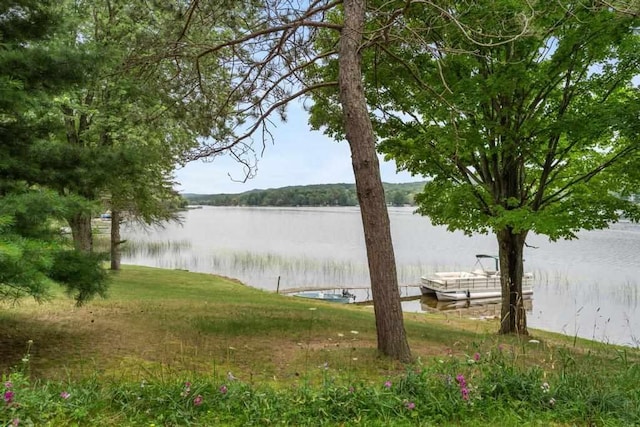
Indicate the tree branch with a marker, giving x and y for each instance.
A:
(208, 151)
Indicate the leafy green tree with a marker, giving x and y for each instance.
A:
(128, 131)
(398, 198)
(523, 115)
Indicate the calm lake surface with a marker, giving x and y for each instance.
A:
(587, 287)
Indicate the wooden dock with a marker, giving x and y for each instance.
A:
(332, 287)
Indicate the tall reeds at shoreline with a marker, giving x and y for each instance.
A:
(261, 269)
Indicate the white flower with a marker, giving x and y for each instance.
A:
(355, 332)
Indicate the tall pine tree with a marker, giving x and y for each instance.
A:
(33, 70)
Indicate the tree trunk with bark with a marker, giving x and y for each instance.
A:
(513, 318)
(392, 340)
(80, 224)
(115, 240)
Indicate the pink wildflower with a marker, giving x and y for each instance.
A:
(8, 396)
(410, 406)
(8, 385)
(65, 395)
(387, 384)
(461, 380)
(198, 400)
(15, 422)
(223, 389)
(476, 357)
(465, 393)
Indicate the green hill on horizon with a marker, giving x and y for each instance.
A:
(340, 194)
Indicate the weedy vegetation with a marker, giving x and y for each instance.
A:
(177, 348)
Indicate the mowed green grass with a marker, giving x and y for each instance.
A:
(168, 322)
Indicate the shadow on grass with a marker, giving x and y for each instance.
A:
(52, 344)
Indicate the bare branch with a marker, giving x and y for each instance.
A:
(468, 32)
(208, 151)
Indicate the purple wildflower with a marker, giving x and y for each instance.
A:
(8, 396)
(65, 395)
(476, 357)
(8, 385)
(461, 380)
(223, 389)
(198, 400)
(465, 393)
(387, 384)
(410, 406)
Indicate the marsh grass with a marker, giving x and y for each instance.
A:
(259, 268)
(125, 361)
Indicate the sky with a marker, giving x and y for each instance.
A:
(298, 156)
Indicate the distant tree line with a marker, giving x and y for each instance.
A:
(308, 195)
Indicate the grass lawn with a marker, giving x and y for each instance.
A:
(168, 326)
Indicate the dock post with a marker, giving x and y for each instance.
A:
(278, 286)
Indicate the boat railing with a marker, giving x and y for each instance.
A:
(469, 281)
(472, 283)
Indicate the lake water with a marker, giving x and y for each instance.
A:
(587, 287)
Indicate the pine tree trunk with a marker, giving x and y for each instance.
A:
(115, 240)
(513, 316)
(81, 231)
(392, 340)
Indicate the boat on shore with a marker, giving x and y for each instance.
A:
(465, 285)
(343, 297)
